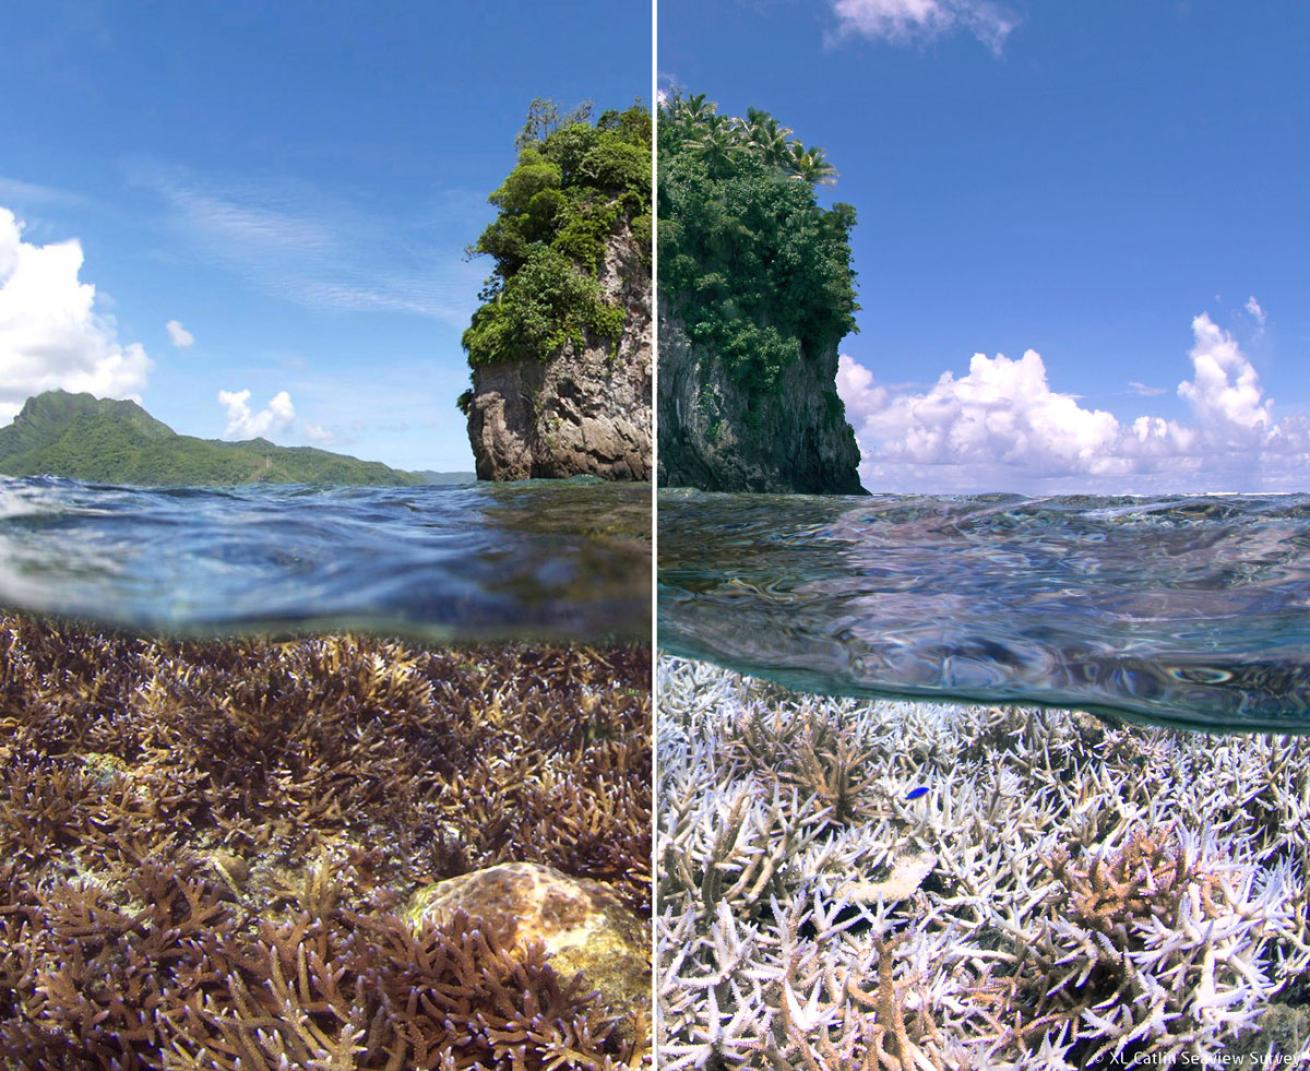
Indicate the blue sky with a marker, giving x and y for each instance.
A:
(291, 184)
(1106, 184)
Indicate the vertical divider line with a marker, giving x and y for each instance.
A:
(655, 529)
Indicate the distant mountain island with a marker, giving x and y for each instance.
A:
(108, 441)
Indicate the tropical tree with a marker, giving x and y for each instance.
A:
(693, 124)
(760, 272)
(718, 144)
(812, 165)
(545, 117)
(768, 137)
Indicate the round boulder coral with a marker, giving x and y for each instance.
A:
(583, 925)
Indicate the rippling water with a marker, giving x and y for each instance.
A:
(544, 559)
(1180, 611)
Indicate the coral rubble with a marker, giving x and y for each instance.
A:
(1067, 894)
(208, 847)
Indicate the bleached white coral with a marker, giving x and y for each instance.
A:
(1065, 890)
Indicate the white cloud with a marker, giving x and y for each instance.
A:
(1257, 313)
(244, 423)
(1225, 394)
(904, 21)
(318, 434)
(258, 229)
(51, 335)
(1002, 414)
(1145, 389)
(179, 335)
(857, 390)
(1002, 427)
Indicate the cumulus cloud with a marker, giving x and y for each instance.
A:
(1225, 391)
(1002, 414)
(179, 335)
(1257, 313)
(245, 423)
(1003, 427)
(51, 335)
(318, 434)
(903, 21)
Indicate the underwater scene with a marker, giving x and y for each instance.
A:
(341, 778)
(983, 782)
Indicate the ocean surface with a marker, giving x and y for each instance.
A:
(1184, 611)
(554, 560)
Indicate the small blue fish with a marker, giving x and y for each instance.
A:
(916, 793)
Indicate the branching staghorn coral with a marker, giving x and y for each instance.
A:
(1067, 894)
(208, 845)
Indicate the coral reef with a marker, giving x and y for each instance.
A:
(1067, 894)
(208, 846)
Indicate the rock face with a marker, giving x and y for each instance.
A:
(580, 413)
(582, 924)
(716, 436)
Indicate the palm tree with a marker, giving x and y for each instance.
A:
(767, 137)
(718, 144)
(713, 123)
(695, 110)
(682, 118)
(811, 165)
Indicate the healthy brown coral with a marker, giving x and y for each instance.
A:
(208, 842)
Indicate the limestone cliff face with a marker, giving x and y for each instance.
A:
(584, 412)
(717, 436)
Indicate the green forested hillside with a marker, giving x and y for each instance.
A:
(87, 438)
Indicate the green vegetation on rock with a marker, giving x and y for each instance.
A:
(102, 440)
(575, 186)
(756, 269)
